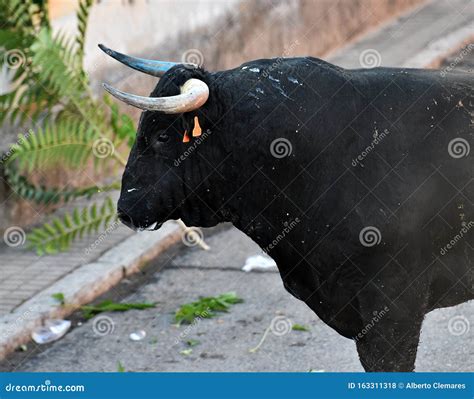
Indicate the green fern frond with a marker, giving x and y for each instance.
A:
(21, 20)
(24, 15)
(67, 142)
(60, 233)
(82, 18)
(55, 61)
(54, 58)
(51, 195)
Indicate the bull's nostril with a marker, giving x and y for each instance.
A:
(124, 218)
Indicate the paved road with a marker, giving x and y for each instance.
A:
(226, 340)
(403, 39)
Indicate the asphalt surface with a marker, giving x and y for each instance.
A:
(184, 274)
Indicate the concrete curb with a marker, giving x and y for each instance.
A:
(439, 49)
(85, 284)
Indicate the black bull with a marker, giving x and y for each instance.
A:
(358, 183)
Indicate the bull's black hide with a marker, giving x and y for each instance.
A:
(357, 183)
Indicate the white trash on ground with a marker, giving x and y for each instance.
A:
(137, 335)
(51, 331)
(259, 262)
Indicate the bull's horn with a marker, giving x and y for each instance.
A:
(194, 93)
(151, 67)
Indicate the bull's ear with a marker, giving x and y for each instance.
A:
(196, 132)
(188, 122)
(192, 124)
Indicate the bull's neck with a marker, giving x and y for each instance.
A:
(270, 219)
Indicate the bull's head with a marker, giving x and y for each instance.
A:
(167, 176)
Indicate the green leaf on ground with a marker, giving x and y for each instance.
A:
(90, 311)
(120, 367)
(22, 348)
(186, 352)
(299, 327)
(59, 296)
(205, 307)
(192, 342)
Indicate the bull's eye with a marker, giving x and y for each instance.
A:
(163, 138)
(159, 142)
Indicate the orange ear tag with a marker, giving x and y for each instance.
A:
(185, 137)
(197, 129)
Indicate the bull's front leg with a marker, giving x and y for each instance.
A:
(392, 324)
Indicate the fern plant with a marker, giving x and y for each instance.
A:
(60, 233)
(51, 90)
